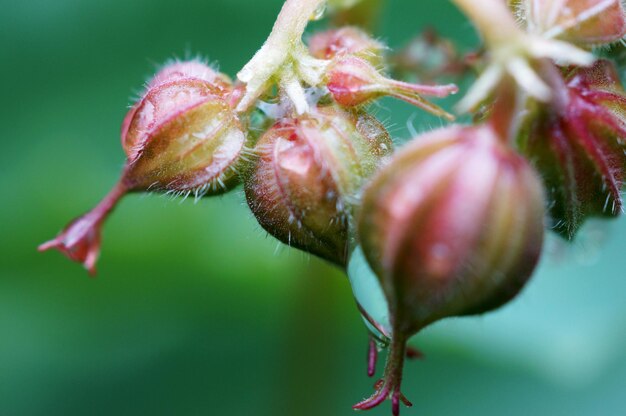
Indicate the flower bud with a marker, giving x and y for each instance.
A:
(578, 144)
(308, 174)
(181, 137)
(347, 40)
(583, 22)
(452, 226)
(353, 81)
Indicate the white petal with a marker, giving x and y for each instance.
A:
(526, 77)
(561, 52)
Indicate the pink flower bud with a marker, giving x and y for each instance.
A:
(353, 81)
(181, 137)
(347, 40)
(579, 146)
(452, 226)
(309, 173)
(585, 22)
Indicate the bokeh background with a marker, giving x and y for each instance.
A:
(195, 310)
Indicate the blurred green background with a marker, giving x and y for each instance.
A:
(195, 310)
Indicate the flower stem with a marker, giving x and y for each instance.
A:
(505, 110)
(284, 40)
(109, 202)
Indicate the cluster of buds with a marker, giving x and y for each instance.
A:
(567, 116)
(454, 224)
(450, 225)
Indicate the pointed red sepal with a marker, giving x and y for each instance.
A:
(80, 240)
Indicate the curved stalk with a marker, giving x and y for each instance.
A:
(282, 48)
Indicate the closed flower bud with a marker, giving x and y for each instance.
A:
(353, 81)
(181, 137)
(347, 40)
(452, 226)
(578, 144)
(584, 22)
(309, 172)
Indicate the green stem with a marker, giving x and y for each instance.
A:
(284, 39)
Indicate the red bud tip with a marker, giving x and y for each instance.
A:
(80, 240)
